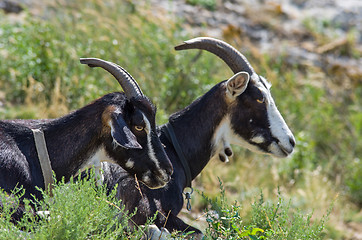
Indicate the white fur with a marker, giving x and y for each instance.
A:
(146, 177)
(224, 136)
(129, 164)
(275, 149)
(258, 139)
(267, 84)
(151, 152)
(95, 161)
(278, 127)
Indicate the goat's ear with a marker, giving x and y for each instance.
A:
(237, 84)
(121, 133)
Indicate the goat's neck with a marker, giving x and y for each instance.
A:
(72, 139)
(195, 126)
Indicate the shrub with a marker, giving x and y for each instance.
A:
(267, 220)
(78, 210)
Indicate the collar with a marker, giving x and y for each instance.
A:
(170, 134)
(44, 160)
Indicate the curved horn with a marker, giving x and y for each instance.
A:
(232, 57)
(128, 83)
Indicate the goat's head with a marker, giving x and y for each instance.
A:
(252, 119)
(132, 129)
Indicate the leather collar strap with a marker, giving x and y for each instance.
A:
(44, 160)
(170, 134)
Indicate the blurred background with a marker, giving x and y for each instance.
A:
(310, 50)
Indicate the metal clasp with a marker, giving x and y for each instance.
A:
(188, 191)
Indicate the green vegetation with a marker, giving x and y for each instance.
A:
(82, 210)
(268, 220)
(41, 77)
(78, 210)
(208, 4)
(40, 58)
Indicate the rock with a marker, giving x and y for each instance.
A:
(10, 6)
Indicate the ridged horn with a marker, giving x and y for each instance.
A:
(127, 82)
(232, 57)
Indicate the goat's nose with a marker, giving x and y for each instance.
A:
(169, 171)
(165, 177)
(292, 141)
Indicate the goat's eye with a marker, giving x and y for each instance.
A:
(139, 128)
(260, 100)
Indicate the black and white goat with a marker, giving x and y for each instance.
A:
(238, 111)
(118, 128)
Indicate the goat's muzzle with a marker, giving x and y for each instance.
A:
(156, 180)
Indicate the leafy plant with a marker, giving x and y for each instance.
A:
(224, 220)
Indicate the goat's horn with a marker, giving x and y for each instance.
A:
(232, 57)
(128, 83)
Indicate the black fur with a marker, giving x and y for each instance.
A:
(194, 127)
(196, 133)
(73, 139)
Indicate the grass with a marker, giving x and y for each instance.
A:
(40, 77)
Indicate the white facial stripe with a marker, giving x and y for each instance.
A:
(254, 78)
(265, 91)
(151, 152)
(266, 83)
(260, 82)
(278, 127)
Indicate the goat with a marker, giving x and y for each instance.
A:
(118, 127)
(238, 111)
